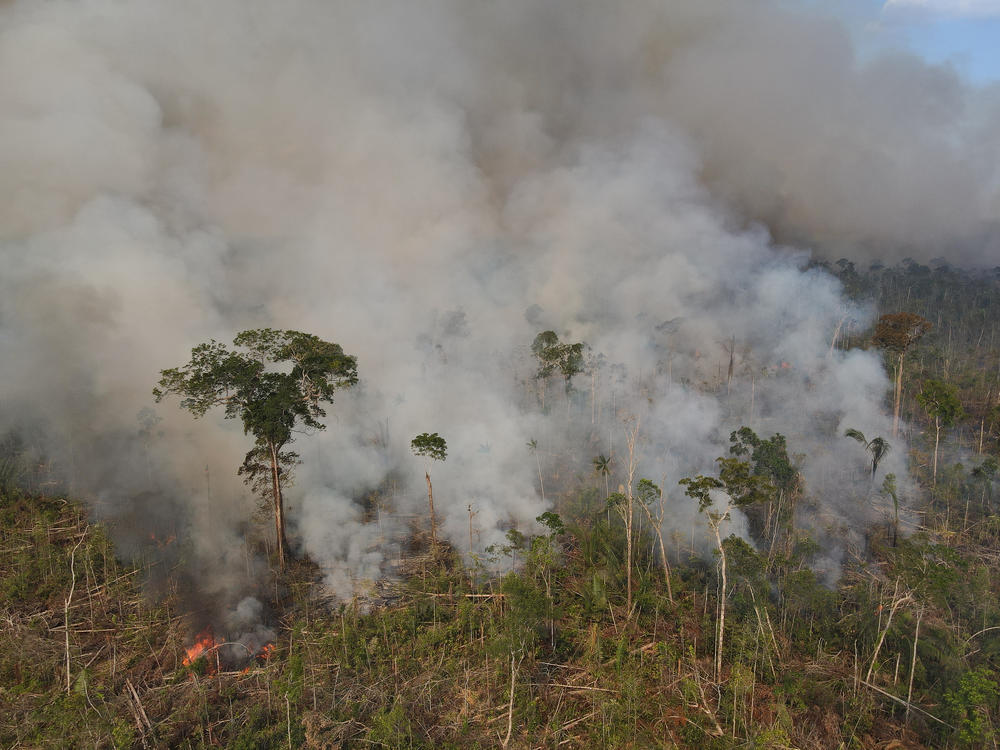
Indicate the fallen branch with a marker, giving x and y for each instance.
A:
(896, 603)
(703, 706)
(574, 722)
(138, 704)
(901, 702)
(574, 687)
(984, 630)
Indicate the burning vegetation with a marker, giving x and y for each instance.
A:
(204, 647)
(213, 655)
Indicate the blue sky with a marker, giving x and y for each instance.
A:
(964, 33)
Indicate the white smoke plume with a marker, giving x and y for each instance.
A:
(430, 185)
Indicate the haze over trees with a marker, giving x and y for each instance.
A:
(442, 182)
(587, 628)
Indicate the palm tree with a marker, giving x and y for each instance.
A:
(533, 447)
(602, 466)
(877, 446)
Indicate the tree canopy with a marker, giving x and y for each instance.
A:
(554, 355)
(429, 445)
(940, 400)
(896, 332)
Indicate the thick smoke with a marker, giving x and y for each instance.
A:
(430, 185)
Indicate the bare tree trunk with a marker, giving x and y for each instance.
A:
(628, 559)
(471, 514)
(538, 464)
(913, 664)
(892, 611)
(629, 514)
(666, 565)
(657, 524)
(732, 363)
(279, 505)
(722, 604)
(899, 396)
(430, 503)
(836, 335)
(510, 702)
(937, 440)
(66, 605)
(593, 397)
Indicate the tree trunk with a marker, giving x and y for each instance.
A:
(593, 397)
(913, 664)
(899, 396)
(722, 605)
(541, 484)
(430, 503)
(937, 440)
(66, 606)
(658, 526)
(630, 438)
(279, 505)
(510, 701)
(666, 565)
(628, 557)
(892, 611)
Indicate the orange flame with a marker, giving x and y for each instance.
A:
(161, 543)
(263, 655)
(203, 643)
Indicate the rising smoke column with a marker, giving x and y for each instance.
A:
(409, 181)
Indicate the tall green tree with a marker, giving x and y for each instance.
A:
(553, 356)
(769, 458)
(649, 493)
(940, 401)
(896, 333)
(271, 381)
(738, 486)
(433, 447)
(623, 503)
